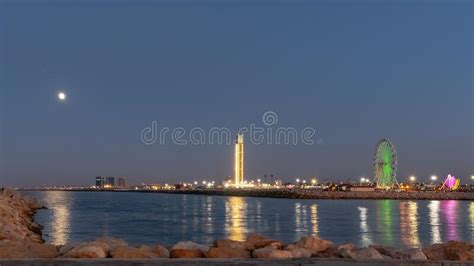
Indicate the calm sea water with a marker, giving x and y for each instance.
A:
(166, 218)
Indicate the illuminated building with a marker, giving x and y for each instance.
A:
(99, 182)
(121, 183)
(239, 160)
(109, 182)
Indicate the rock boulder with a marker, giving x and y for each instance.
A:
(227, 243)
(227, 252)
(256, 242)
(369, 253)
(314, 244)
(186, 253)
(22, 250)
(271, 253)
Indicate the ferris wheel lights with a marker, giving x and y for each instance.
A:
(385, 165)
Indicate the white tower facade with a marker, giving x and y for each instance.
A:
(239, 160)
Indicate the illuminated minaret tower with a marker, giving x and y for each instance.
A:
(239, 159)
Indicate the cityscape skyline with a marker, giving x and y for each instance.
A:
(354, 73)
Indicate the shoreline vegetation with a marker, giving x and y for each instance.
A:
(20, 238)
(286, 193)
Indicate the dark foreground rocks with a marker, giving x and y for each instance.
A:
(258, 247)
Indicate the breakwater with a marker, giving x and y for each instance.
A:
(317, 194)
(298, 193)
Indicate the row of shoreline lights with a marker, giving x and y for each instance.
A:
(412, 179)
(313, 181)
(433, 178)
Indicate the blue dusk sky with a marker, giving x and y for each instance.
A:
(355, 71)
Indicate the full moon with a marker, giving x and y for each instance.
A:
(62, 96)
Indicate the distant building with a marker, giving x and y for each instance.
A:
(109, 182)
(121, 183)
(99, 182)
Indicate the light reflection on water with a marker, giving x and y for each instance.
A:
(59, 226)
(450, 209)
(409, 223)
(236, 223)
(167, 218)
(365, 240)
(314, 220)
(471, 216)
(385, 216)
(435, 231)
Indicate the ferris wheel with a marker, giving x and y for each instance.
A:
(385, 165)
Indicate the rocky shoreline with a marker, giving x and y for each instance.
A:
(254, 247)
(16, 217)
(20, 238)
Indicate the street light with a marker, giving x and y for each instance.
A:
(313, 181)
(412, 178)
(472, 177)
(304, 181)
(362, 179)
(297, 180)
(433, 178)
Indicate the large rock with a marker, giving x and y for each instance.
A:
(186, 253)
(227, 243)
(227, 252)
(157, 251)
(314, 244)
(256, 242)
(111, 242)
(416, 254)
(298, 252)
(393, 253)
(435, 252)
(99, 248)
(453, 250)
(369, 253)
(189, 245)
(129, 253)
(346, 250)
(459, 251)
(20, 249)
(271, 253)
(88, 250)
(142, 252)
(63, 249)
(331, 252)
(16, 217)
